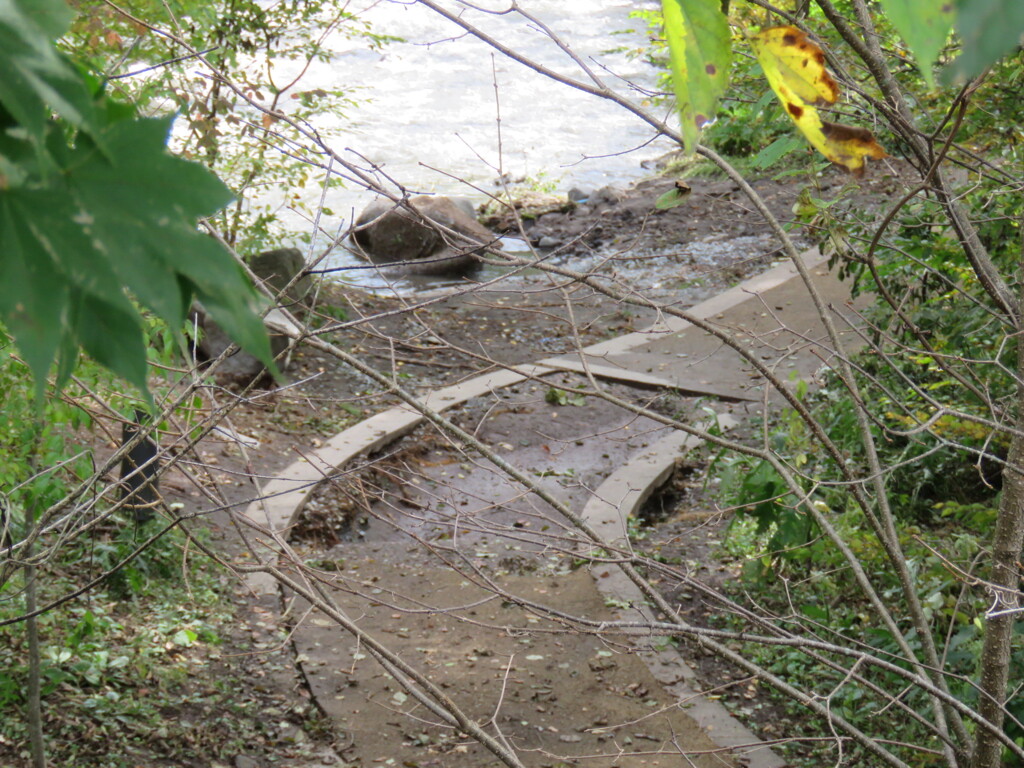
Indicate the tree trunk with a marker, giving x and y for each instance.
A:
(1004, 577)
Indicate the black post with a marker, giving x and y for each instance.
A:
(140, 488)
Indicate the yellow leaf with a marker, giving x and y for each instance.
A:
(794, 67)
(799, 64)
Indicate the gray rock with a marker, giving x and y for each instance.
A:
(244, 761)
(578, 195)
(241, 367)
(663, 162)
(278, 267)
(386, 233)
(465, 205)
(549, 242)
(607, 195)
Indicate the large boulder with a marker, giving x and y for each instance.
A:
(277, 268)
(386, 233)
(240, 367)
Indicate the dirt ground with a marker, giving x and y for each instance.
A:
(434, 338)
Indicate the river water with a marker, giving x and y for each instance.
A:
(427, 111)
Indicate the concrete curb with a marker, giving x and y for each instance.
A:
(608, 511)
(706, 310)
(638, 379)
(286, 495)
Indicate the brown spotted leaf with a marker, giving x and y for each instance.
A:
(800, 87)
(798, 64)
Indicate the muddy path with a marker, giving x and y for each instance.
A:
(431, 546)
(448, 560)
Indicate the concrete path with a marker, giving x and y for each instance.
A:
(449, 534)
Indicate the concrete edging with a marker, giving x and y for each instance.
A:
(284, 496)
(708, 308)
(607, 511)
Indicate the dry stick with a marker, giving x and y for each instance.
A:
(813, 648)
(862, 578)
(1008, 541)
(939, 409)
(923, 682)
(872, 264)
(988, 275)
(407, 676)
(886, 531)
(33, 698)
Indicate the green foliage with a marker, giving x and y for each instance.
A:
(27, 442)
(925, 25)
(989, 29)
(263, 50)
(556, 396)
(774, 152)
(36, 78)
(697, 39)
(748, 124)
(119, 668)
(791, 571)
(94, 213)
(820, 595)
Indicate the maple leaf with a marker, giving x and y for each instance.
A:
(795, 68)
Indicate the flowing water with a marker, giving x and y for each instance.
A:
(429, 107)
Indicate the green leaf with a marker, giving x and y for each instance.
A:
(94, 212)
(775, 151)
(701, 50)
(674, 197)
(143, 203)
(113, 338)
(925, 26)
(988, 29)
(33, 297)
(221, 286)
(36, 77)
(184, 637)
